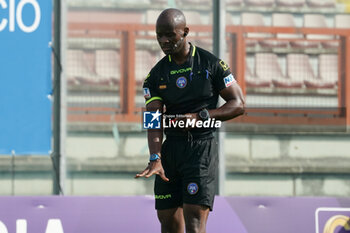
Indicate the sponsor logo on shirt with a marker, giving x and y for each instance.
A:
(223, 65)
(229, 80)
(146, 93)
(180, 71)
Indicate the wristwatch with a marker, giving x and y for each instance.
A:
(154, 157)
(204, 114)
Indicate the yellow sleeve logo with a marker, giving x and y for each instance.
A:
(223, 65)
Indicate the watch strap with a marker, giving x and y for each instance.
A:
(154, 157)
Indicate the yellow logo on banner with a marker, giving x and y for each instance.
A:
(337, 221)
(223, 65)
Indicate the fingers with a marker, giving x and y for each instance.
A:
(148, 173)
(162, 175)
(142, 174)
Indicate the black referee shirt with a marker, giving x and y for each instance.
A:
(189, 87)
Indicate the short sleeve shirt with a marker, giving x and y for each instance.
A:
(191, 86)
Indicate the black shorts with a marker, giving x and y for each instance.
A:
(191, 166)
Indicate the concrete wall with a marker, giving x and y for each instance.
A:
(98, 163)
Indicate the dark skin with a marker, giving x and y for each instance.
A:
(171, 35)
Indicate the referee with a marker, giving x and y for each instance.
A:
(186, 83)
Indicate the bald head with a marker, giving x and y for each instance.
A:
(172, 17)
(172, 31)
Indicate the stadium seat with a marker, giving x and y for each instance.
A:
(284, 20)
(342, 21)
(252, 80)
(299, 68)
(328, 70)
(161, 2)
(108, 66)
(267, 68)
(192, 17)
(290, 3)
(105, 17)
(253, 19)
(188, 3)
(281, 20)
(152, 16)
(145, 61)
(234, 2)
(319, 21)
(81, 67)
(321, 3)
(260, 3)
(315, 21)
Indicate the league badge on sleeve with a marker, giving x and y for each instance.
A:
(146, 93)
(229, 80)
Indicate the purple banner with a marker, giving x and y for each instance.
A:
(136, 214)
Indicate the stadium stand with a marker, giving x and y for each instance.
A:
(319, 21)
(253, 19)
(145, 60)
(252, 80)
(315, 21)
(263, 77)
(328, 69)
(299, 68)
(259, 3)
(108, 66)
(342, 21)
(280, 20)
(195, 3)
(290, 3)
(81, 67)
(268, 69)
(321, 3)
(192, 17)
(234, 2)
(94, 16)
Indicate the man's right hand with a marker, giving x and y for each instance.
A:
(153, 168)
